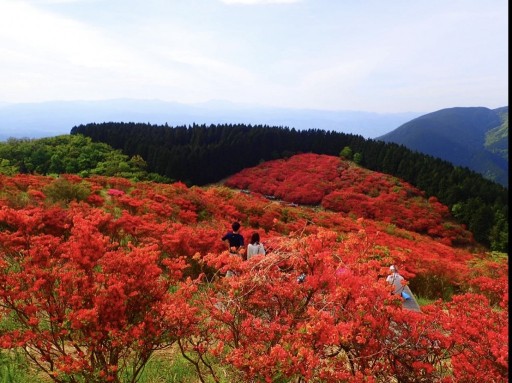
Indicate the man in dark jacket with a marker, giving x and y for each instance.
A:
(234, 239)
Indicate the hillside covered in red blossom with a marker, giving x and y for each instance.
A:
(98, 274)
(341, 186)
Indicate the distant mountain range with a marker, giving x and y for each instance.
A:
(474, 137)
(48, 119)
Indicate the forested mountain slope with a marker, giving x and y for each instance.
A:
(474, 137)
(199, 154)
(496, 139)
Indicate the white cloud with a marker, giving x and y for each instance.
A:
(42, 2)
(328, 56)
(44, 52)
(258, 2)
(47, 37)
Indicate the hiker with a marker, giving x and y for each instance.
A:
(235, 242)
(396, 279)
(234, 239)
(255, 247)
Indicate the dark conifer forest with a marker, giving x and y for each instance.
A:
(200, 154)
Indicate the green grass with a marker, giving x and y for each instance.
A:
(14, 368)
(160, 370)
(422, 301)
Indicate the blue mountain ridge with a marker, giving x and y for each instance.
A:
(458, 135)
(47, 119)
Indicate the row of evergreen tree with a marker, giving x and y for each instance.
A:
(200, 154)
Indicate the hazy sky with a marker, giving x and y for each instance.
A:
(367, 55)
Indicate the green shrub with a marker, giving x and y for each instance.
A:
(65, 191)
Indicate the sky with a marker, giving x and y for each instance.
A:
(363, 55)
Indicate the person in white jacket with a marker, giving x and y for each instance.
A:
(396, 279)
(255, 247)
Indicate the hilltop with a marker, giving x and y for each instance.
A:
(200, 155)
(341, 186)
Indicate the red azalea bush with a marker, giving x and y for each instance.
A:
(91, 286)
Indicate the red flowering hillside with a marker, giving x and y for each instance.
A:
(98, 274)
(342, 186)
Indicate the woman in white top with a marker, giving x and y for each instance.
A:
(255, 247)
